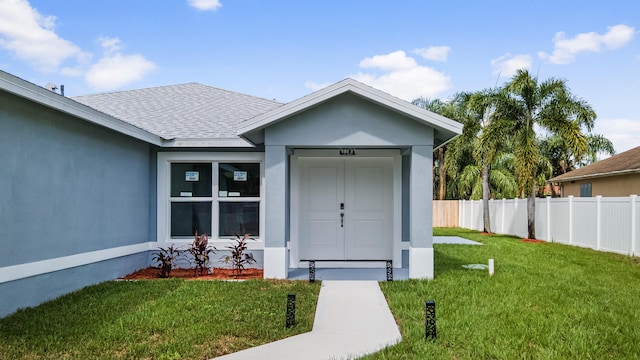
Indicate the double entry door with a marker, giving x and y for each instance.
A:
(346, 209)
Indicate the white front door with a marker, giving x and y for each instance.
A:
(346, 209)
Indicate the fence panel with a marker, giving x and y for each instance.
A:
(445, 213)
(584, 222)
(495, 219)
(477, 215)
(559, 217)
(615, 220)
(516, 212)
(608, 224)
(635, 226)
(542, 225)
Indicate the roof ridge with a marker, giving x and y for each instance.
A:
(237, 93)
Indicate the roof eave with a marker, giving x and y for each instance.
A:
(251, 129)
(207, 142)
(593, 176)
(42, 96)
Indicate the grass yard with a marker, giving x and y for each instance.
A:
(545, 301)
(172, 319)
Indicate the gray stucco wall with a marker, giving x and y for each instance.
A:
(68, 187)
(349, 120)
(34, 290)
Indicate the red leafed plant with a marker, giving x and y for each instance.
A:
(166, 257)
(238, 258)
(201, 250)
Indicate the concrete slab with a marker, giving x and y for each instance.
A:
(454, 240)
(352, 319)
(373, 274)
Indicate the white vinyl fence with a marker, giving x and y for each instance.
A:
(601, 223)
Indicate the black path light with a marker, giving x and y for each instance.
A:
(312, 271)
(291, 310)
(389, 270)
(430, 319)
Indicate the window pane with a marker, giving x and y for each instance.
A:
(189, 217)
(239, 218)
(237, 179)
(189, 180)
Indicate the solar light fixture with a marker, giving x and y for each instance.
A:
(291, 310)
(430, 319)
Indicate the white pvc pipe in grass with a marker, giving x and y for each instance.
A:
(490, 267)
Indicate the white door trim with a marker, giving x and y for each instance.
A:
(294, 197)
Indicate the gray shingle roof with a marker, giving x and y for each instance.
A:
(623, 163)
(187, 111)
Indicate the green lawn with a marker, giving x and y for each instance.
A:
(172, 319)
(545, 301)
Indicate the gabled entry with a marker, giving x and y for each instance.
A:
(346, 208)
(303, 219)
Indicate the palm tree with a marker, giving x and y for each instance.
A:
(523, 103)
(563, 160)
(502, 182)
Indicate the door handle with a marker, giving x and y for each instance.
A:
(341, 215)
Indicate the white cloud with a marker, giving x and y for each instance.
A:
(566, 49)
(110, 45)
(623, 133)
(116, 70)
(396, 60)
(204, 5)
(402, 76)
(30, 36)
(435, 53)
(507, 65)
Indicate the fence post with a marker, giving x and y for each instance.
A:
(549, 219)
(598, 221)
(634, 226)
(504, 209)
(471, 215)
(570, 219)
(461, 215)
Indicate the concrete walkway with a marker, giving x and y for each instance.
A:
(352, 319)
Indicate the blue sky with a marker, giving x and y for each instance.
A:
(285, 49)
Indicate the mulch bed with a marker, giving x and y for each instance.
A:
(536, 241)
(152, 273)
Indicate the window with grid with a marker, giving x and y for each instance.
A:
(220, 198)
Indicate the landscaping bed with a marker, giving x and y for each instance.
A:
(152, 273)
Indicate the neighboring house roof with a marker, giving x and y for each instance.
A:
(17, 86)
(188, 114)
(624, 163)
(445, 128)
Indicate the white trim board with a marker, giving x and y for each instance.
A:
(21, 271)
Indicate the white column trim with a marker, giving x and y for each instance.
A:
(421, 263)
(25, 270)
(276, 264)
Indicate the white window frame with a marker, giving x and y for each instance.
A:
(164, 199)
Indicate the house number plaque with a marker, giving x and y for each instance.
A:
(348, 152)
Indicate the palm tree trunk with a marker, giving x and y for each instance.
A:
(443, 174)
(486, 216)
(531, 214)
